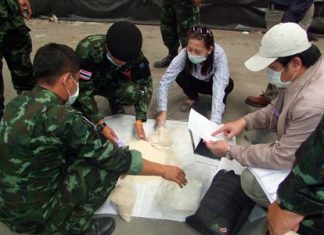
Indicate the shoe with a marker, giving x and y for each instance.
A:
(164, 62)
(101, 225)
(116, 108)
(186, 105)
(257, 101)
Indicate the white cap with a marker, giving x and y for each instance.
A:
(284, 39)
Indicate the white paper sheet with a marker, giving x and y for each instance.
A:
(269, 180)
(203, 127)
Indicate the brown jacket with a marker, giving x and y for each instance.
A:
(301, 107)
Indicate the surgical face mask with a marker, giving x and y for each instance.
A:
(196, 59)
(274, 77)
(72, 98)
(111, 60)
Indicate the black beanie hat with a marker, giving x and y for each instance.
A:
(124, 40)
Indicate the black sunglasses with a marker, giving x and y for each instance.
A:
(203, 31)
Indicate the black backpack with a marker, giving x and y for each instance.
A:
(224, 208)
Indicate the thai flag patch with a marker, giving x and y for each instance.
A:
(85, 75)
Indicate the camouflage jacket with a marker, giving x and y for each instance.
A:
(104, 76)
(10, 9)
(39, 138)
(303, 190)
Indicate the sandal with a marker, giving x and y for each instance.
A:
(186, 105)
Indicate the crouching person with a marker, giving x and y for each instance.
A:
(55, 170)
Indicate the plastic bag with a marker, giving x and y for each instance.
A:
(123, 198)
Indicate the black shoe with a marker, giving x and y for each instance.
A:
(101, 225)
(164, 62)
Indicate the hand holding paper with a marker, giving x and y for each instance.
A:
(218, 148)
(200, 126)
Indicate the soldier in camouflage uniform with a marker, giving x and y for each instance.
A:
(176, 18)
(113, 66)
(55, 171)
(15, 45)
(301, 199)
(1, 92)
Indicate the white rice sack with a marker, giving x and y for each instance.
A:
(123, 198)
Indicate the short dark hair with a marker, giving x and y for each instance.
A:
(52, 60)
(124, 40)
(205, 35)
(308, 57)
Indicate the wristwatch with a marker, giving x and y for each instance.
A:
(101, 126)
(228, 153)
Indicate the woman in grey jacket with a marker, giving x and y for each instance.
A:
(201, 67)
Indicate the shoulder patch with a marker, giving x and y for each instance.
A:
(85, 75)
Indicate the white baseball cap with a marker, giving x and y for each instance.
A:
(284, 39)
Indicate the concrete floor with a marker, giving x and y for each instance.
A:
(238, 47)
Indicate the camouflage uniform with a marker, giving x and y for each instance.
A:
(303, 190)
(1, 92)
(176, 18)
(15, 47)
(54, 170)
(130, 84)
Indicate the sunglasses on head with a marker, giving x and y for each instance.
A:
(203, 31)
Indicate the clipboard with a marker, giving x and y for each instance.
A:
(202, 149)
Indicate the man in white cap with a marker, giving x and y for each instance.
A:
(283, 11)
(292, 62)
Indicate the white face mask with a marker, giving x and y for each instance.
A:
(196, 59)
(274, 77)
(72, 98)
(111, 60)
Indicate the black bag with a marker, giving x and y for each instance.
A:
(224, 208)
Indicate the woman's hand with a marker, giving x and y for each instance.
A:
(161, 119)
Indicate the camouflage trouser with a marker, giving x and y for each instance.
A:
(15, 47)
(83, 189)
(176, 18)
(1, 92)
(127, 92)
(273, 17)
